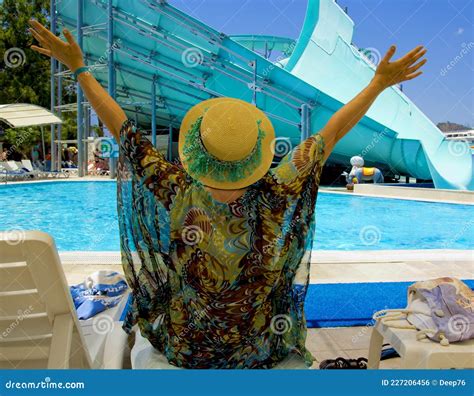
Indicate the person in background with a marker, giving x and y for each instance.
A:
(4, 155)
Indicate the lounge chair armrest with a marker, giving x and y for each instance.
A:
(60, 350)
(115, 347)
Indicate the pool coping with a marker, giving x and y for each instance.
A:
(58, 180)
(361, 190)
(415, 193)
(317, 257)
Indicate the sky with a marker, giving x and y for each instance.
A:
(444, 27)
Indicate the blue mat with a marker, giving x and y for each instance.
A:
(353, 304)
(349, 304)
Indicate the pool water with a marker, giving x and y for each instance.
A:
(82, 216)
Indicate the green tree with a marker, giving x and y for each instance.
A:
(25, 74)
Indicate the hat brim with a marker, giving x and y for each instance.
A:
(267, 143)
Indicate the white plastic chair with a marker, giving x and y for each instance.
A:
(418, 354)
(39, 327)
(145, 356)
(31, 169)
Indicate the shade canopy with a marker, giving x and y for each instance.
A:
(18, 115)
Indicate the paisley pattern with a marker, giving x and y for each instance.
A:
(217, 285)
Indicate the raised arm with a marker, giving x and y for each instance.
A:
(70, 55)
(387, 74)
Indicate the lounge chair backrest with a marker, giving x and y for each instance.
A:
(27, 164)
(38, 324)
(11, 166)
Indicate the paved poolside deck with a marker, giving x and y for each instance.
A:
(326, 343)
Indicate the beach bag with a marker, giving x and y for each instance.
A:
(441, 309)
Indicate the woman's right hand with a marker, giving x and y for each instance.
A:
(69, 53)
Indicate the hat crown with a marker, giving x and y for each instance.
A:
(229, 131)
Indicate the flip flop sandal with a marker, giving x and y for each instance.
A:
(388, 353)
(341, 363)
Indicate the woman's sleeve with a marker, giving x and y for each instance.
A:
(150, 167)
(304, 161)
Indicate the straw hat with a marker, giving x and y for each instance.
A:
(226, 143)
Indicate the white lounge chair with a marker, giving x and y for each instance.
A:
(11, 170)
(39, 327)
(26, 164)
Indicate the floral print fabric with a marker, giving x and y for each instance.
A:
(217, 285)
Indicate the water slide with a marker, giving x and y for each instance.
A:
(165, 61)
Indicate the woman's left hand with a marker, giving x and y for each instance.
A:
(404, 69)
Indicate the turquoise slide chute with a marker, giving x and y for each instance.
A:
(163, 56)
(325, 58)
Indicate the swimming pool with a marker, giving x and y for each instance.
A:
(82, 216)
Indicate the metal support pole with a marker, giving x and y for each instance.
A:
(254, 97)
(52, 83)
(153, 112)
(170, 143)
(42, 142)
(59, 99)
(111, 70)
(305, 122)
(80, 99)
(88, 132)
